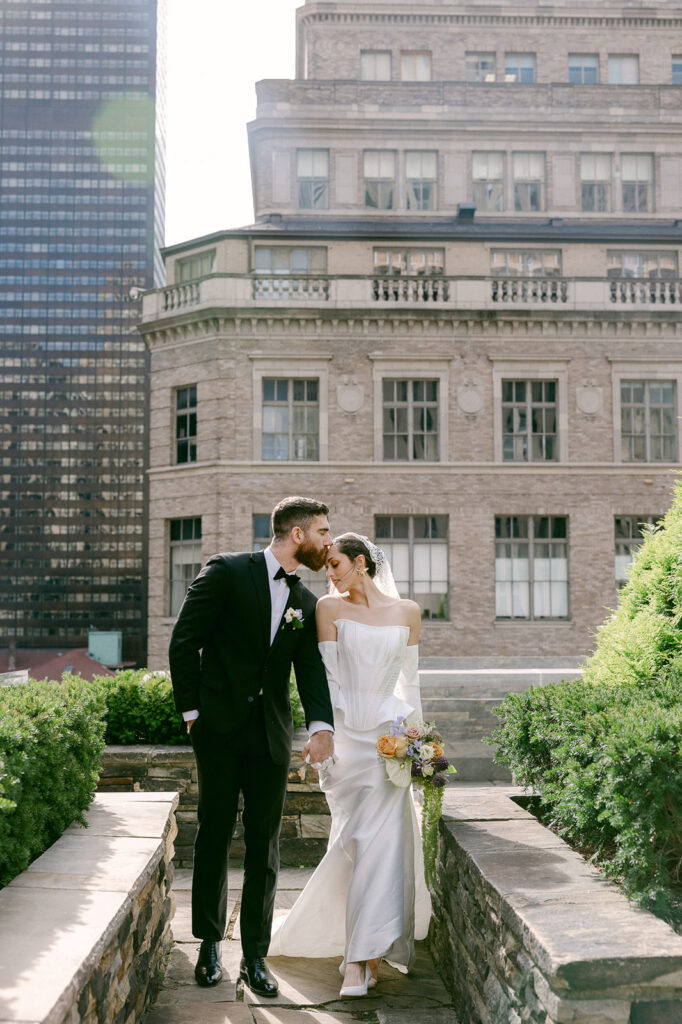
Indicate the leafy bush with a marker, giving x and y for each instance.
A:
(51, 742)
(604, 752)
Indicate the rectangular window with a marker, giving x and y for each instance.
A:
(623, 69)
(642, 264)
(417, 548)
(312, 173)
(379, 170)
(677, 70)
(291, 419)
(410, 420)
(185, 558)
(531, 567)
(595, 182)
(637, 175)
(648, 411)
(415, 66)
(193, 267)
(479, 67)
(488, 182)
(409, 261)
(629, 534)
(526, 262)
(519, 67)
(583, 68)
(375, 65)
(529, 181)
(529, 421)
(421, 172)
(282, 271)
(186, 424)
(262, 535)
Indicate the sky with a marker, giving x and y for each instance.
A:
(217, 51)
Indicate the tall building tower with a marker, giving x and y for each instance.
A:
(81, 221)
(456, 316)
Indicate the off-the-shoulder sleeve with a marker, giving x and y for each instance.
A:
(407, 687)
(329, 651)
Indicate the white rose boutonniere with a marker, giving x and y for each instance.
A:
(294, 618)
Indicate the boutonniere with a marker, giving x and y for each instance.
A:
(294, 618)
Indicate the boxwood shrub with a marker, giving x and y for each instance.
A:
(51, 742)
(604, 752)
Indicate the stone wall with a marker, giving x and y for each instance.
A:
(148, 769)
(84, 931)
(524, 930)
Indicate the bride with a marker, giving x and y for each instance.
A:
(367, 898)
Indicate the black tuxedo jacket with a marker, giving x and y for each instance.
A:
(221, 658)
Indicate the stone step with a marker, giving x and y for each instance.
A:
(488, 682)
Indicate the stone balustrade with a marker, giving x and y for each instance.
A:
(84, 931)
(395, 292)
(147, 769)
(525, 930)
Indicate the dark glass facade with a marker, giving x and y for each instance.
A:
(81, 221)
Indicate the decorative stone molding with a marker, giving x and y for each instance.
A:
(470, 399)
(589, 399)
(525, 930)
(350, 396)
(85, 929)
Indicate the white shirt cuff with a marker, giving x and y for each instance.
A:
(319, 727)
(189, 716)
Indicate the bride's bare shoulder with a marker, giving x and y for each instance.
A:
(329, 605)
(411, 609)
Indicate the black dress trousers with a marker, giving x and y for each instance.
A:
(226, 766)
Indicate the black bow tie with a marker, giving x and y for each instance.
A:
(291, 578)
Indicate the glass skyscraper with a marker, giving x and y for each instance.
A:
(81, 222)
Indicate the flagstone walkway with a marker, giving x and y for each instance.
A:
(309, 989)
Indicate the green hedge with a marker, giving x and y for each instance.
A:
(604, 752)
(51, 742)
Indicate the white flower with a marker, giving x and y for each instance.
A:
(294, 617)
(428, 770)
(426, 752)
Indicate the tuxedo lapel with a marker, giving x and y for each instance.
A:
(259, 575)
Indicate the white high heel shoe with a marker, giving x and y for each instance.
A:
(372, 983)
(348, 991)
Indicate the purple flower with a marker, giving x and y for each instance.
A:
(416, 770)
(438, 781)
(441, 763)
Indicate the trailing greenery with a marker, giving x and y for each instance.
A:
(51, 742)
(603, 752)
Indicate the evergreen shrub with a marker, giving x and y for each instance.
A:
(51, 743)
(604, 752)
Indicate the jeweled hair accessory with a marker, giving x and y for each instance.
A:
(384, 576)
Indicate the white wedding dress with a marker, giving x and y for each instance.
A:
(367, 897)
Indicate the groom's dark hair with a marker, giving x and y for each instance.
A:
(290, 512)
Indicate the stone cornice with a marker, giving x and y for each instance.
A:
(646, 470)
(619, 19)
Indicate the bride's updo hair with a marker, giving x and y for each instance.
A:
(351, 546)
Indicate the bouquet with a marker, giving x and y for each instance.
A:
(413, 752)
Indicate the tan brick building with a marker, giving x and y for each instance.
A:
(456, 317)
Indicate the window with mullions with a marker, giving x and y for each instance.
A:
(479, 67)
(312, 173)
(291, 419)
(677, 69)
(531, 567)
(519, 67)
(529, 421)
(629, 535)
(410, 420)
(192, 267)
(637, 176)
(529, 181)
(526, 262)
(185, 559)
(415, 66)
(487, 172)
(262, 535)
(583, 68)
(648, 411)
(421, 174)
(186, 424)
(379, 170)
(417, 548)
(409, 261)
(642, 264)
(595, 182)
(623, 69)
(375, 65)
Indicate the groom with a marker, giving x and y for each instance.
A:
(245, 620)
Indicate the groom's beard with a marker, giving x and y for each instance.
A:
(310, 556)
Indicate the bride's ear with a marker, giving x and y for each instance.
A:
(360, 565)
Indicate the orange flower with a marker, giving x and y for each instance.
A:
(400, 746)
(386, 745)
(437, 750)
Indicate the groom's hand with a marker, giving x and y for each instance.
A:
(319, 747)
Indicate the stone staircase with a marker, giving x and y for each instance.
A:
(460, 693)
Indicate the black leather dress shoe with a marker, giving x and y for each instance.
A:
(209, 969)
(256, 975)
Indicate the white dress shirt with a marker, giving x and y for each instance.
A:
(279, 594)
